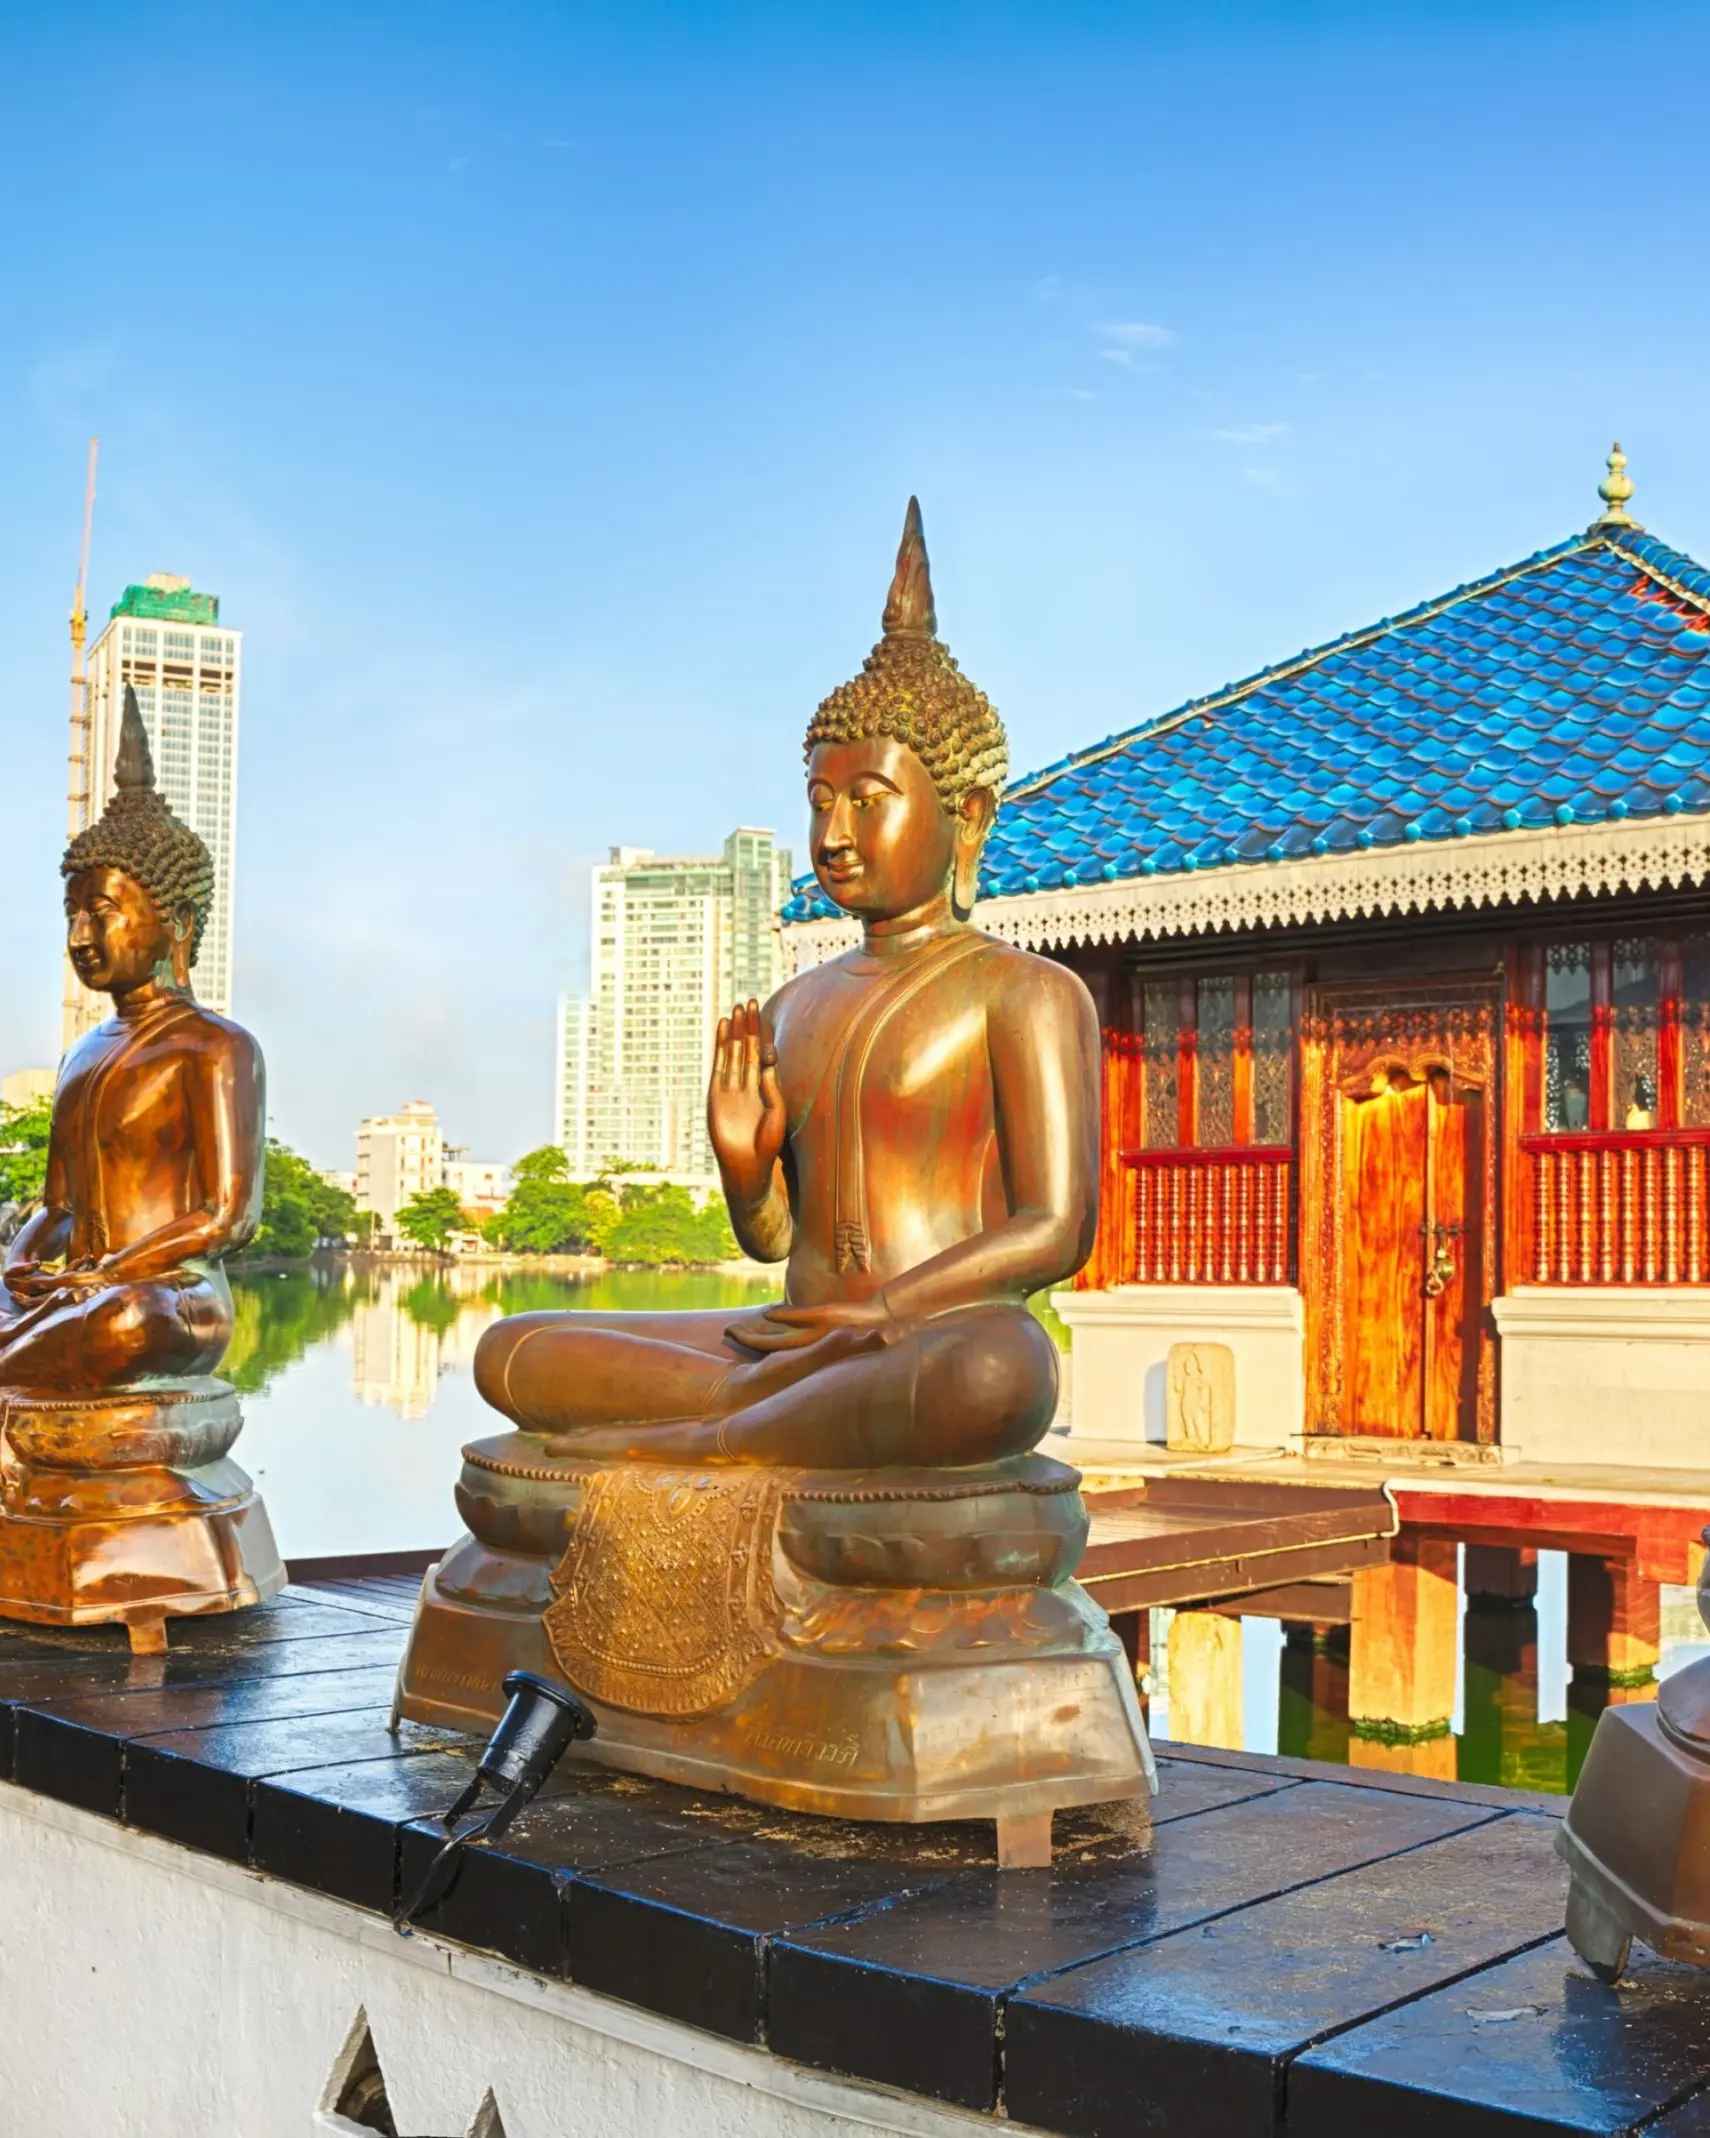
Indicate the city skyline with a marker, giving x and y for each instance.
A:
(566, 376)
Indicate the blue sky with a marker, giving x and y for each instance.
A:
(540, 388)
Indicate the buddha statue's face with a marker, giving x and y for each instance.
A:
(883, 842)
(116, 938)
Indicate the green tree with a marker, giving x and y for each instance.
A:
(299, 1208)
(23, 1150)
(547, 1212)
(430, 1217)
(661, 1224)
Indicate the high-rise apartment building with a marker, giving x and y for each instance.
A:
(167, 641)
(673, 943)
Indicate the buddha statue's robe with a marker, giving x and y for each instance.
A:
(942, 1148)
(155, 1162)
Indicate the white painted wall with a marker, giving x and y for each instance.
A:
(1606, 1375)
(150, 1992)
(1122, 1339)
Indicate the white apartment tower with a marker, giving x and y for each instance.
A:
(673, 943)
(169, 643)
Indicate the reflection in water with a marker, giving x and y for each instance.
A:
(1513, 1674)
(358, 1396)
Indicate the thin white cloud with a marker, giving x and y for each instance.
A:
(1047, 290)
(1124, 357)
(1135, 333)
(1271, 479)
(1253, 433)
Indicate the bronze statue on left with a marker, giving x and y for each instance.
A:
(117, 1500)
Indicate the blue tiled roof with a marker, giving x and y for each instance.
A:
(1572, 688)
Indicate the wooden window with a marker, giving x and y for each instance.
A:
(1626, 1039)
(1692, 1025)
(1160, 1032)
(1217, 1061)
(1214, 1054)
(1567, 1038)
(1273, 1058)
(1633, 1027)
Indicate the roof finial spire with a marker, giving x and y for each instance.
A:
(1615, 489)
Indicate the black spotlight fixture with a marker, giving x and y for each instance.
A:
(540, 1723)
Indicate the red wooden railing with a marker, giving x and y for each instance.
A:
(1210, 1217)
(1627, 1207)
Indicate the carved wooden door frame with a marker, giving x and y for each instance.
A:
(1347, 1031)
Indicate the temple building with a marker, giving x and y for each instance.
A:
(1402, 954)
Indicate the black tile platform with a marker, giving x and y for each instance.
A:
(1274, 1947)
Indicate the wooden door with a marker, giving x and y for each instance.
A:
(1412, 1156)
(1454, 1254)
(1396, 1225)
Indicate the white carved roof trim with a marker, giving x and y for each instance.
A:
(1486, 869)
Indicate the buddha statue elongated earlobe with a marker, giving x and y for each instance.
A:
(183, 934)
(965, 881)
(974, 820)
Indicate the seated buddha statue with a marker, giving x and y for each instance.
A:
(806, 1551)
(155, 1159)
(114, 1309)
(910, 1128)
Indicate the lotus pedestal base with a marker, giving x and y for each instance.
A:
(901, 1646)
(126, 1507)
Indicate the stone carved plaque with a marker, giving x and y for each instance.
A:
(1199, 1409)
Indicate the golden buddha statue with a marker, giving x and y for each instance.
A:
(912, 1128)
(117, 1500)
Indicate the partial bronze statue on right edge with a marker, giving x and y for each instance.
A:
(807, 1551)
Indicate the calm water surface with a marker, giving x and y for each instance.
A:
(358, 1394)
(358, 1398)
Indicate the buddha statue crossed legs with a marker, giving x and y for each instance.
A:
(116, 1498)
(912, 1129)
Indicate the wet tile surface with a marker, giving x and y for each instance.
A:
(1537, 2044)
(1259, 1951)
(913, 1998)
(509, 1895)
(1199, 2027)
(689, 1935)
(195, 1786)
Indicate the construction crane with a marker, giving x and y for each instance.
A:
(79, 795)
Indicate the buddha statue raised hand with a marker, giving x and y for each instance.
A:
(117, 1500)
(806, 1551)
(912, 1128)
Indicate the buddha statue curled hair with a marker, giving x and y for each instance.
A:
(911, 691)
(138, 833)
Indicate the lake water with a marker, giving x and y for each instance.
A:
(358, 1391)
(358, 1398)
